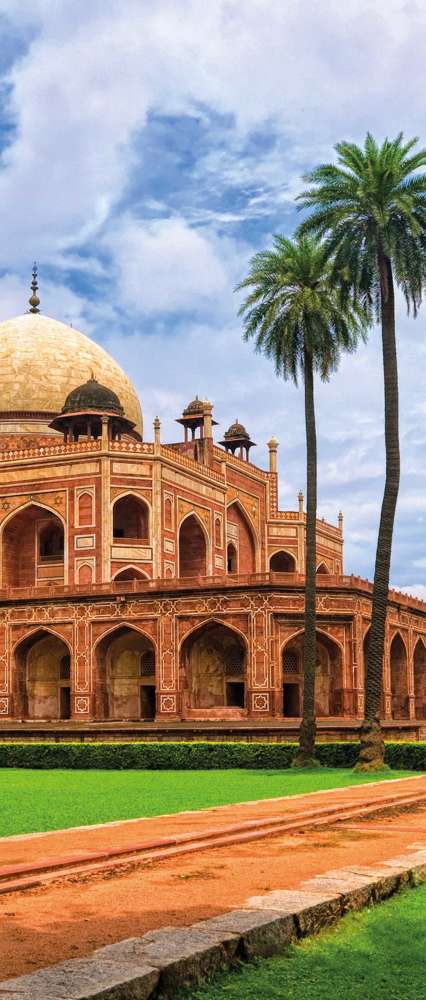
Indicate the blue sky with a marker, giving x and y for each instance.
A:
(148, 149)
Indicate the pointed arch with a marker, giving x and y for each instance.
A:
(282, 561)
(329, 674)
(33, 552)
(84, 574)
(322, 569)
(41, 679)
(244, 531)
(124, 660)
(213, 658)
(85, 515)
(135, 573)
(419, 669)
(193, 547)
(131, 518)
(399, 677)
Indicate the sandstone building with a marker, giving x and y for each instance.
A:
(156, 587)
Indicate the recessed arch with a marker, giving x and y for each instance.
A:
(244, 531)
(85, 574)
(131, 518)
(41, 677)
(329, 674)
(322, 569)
(125, 665)
(193, 546)
(133, 573)
(419, 670)
(33, 546)
(282, 561)
(213, 658)
(214, 620)
(31, 503)
(399, 677)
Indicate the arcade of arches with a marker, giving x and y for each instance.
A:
(214, 668)
(32, 548)
(328, 681)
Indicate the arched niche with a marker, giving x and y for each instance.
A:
(130, 519)
(399, 678)
(85, 574)
(328, 676)
(214, 663)
(282, 562)
(32, 548)
(322, 570)
(192, 548)
(419, 665)
(42, 678)
(125, 676)
(240, 529)
(85, 509)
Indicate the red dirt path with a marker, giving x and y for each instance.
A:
(70, 919)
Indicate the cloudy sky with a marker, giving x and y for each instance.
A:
(148, 149)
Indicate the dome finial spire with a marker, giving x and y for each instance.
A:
(34, 300)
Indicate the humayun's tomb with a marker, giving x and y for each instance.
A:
(155, 589)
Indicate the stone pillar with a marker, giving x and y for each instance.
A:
(207, 423)
(300, 501)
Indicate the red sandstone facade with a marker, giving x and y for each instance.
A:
(151, 583)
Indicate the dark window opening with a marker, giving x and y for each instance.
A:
(235, 694)
(65, 703)
(291, 697)
(148, 702)
(51, 542)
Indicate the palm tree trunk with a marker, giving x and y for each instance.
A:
(306, 753)
(371, 757)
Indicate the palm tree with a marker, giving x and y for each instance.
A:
(294, 312)
(371, 210)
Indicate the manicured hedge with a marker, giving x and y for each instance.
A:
(194, 756)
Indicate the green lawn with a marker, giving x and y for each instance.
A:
(377, 954)
(50, 800)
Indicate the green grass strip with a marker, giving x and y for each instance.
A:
(39, 800)
(377, 954)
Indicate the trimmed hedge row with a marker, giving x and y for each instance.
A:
(194, 756)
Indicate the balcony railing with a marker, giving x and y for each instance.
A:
(228, 582)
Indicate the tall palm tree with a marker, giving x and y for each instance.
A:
(371, 209)
(295, 314)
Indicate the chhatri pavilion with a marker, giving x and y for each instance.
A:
(153, 588)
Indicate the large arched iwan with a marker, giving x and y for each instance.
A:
(124, 679)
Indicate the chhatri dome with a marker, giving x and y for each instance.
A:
(42, 361)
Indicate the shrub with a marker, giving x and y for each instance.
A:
(194, 756)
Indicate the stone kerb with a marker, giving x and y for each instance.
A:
(164, 961)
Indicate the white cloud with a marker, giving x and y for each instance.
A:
(166, 266)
